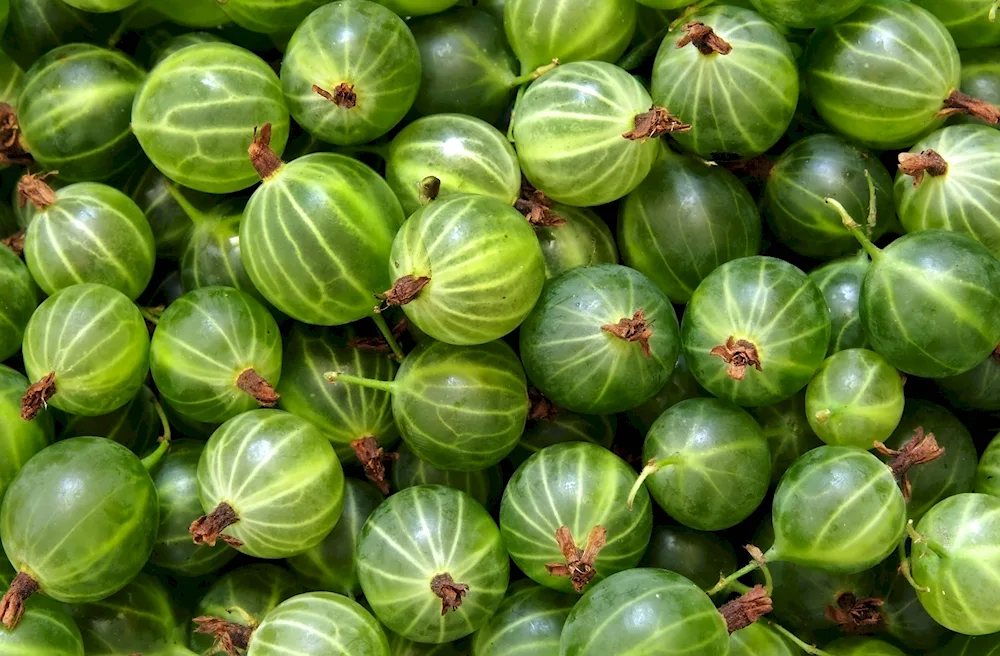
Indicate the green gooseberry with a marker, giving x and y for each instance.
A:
(577, 237)
(460, 408)
(436, 156)
(169, 45)
(960, 645)
(176, 481)
(38, 26)
(268, 16)
(684, 220)
(709, 464)
(988, 471)
(216, 352)
(272, 482)
(980, 77)
(759, 639)
(166, 206)
(351, 72)
(19, 301)
(787, 431)
(548, 425)
(696, 555)
(530, 619)
(20, 439)
(196, 112)
(400, 646)
(100, 6)
(861, 646)
(840, 282)
(904, 617)
(972, 23)
(755, 331)
(624, 324)
(649, 612)
(87, 232)
(588, 148)
(976, 389)
(314, 623)
(418, 7)
(855, 399)
(46, 628)
(446, 578)
(467, 269)
(485, 486)
(197, 430)
(805, 14)
(86, 349)
(192, 13)
(585, 531)
(679, 387)
(136, 425)
(330, 564)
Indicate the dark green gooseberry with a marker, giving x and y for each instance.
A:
(461, 408)
(988, 471)
(20, 439)
(548, 425)
(648, 612)
(866, 83)
(351, 72)
(492, 7)
(840, 282)
(980, 77)
(755, 331)
(19, 301)
(735, 84)
(679, 387)
(568, 30)
(815, 168)
(267, 16)
(87, 233)
(960, 645)
(136, 425)
(242, 596)
(954, 558)
(621, 319)
(168, 207)
(100, 6)
(138, 619)
(73, 112)
(787, 431)
(805, 14)
(452, 559)
(86, 351)
(45, 629)
(330, 564)
(577, 238)
(589, 148)
(861, 646)
(904, 617)
(855, 399)
(216, 352)
(467, 269)
(400, 646)
(82, 546)
(176, 481)
(976, 389)
(948, 181)
(436, 156)
(168, 46)
(760, 639)
(11, 79)
(485, 486)
(192, 13)
(529, 620)
(196, 112)
(972, 23)
(708, 464)
(318, 624)
(585, 531)
(418, 7)
(684, 220)
(37, 26)
(272, 482)
(696, 555)
(467, 66)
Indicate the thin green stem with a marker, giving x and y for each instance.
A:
(124, 23)
(859, 234)
(337, 377)
(651, 468)
(904, 566)
(738, 588)
(193, 213)
(738, 574)
(154, 458)
(149, 315)
(533, 75)
(383, 328)
(993, 11)
(513, 112)
(768, 580)
(872, 203)
(638, 54)
(802, 644)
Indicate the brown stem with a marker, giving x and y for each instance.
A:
(579, 565)
(15, 242)
(654, 123)
(12, 604)
(537, 207)
(265, 161)
(403, 291)
(343, 95)
(32, 187)
(37, 396)
(373, 459)
(635, 329)
(746, 609)
(856, 616)
(451, 593)
(229, 636)
(377, 343)
(12, 148)
(996, 355)
(208, 529)
(704, 39)
(916, 164)
(250, 382)
(919, 450)
(960, 103)
(739, 354)
(428, 189)
(539, 407)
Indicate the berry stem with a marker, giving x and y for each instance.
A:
(726, 581)
(638, 54)
(904, 565)
(873, 251)
(383, 328)
(534, 75)
(334, 377)
(154, 458)
(803, 645)
(993, 11)
(652, 466)
(513, 113)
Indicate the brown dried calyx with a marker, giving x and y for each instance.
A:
(428, 189)
(12, 604)
(960, 103)
(539, 407)
(537, 207)
(635, 329)
(403, 291)
(12, 149)
(704, 39)
(579, 565)
(208, 529)
(229, 636)
(654, 123)
(450, 593)
(856, 616)
(996, 354)
(32, 187)
(739, 354)
(916, 164)
(265, 161)
(37, 396)
(377, 343)
(746, 609)
(15, 242)
(373, 459)
(251, 382)
(343, 95)
(919, 450)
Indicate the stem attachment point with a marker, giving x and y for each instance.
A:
(253, 384)
(579, 565)
(208, 529)
(636, 329)
(450, 593)
(343, 95)
(12, 604)
(704, 39)
(916, 164)
(739, 354)
(37, 396)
